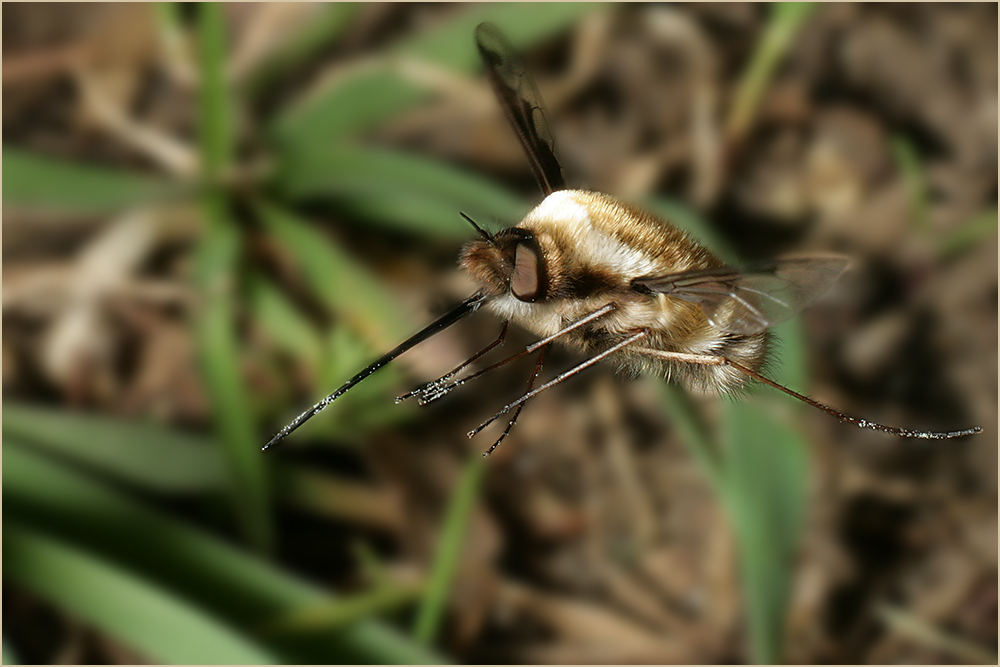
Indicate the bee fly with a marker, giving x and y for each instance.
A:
(614, 282)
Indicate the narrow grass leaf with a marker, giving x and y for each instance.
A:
(346, 287)
(328, 23)
(908, 163)
(282, 322)
(757, 466)
(451, 43)
(324, 495)
(144, 454)
(368, 405)
(48, 185)
(147, 618)
(364, 98)
(782, 27)
(150, 457)
(218, 356)
(241, 590)
(369, 563)
(331, 616)
(791, 366)
(363, 304)
(765, 497)
(9, 656)
(216, 260)
(970, 233)
(350, 103)
(685, 416)
(410, 212)
(401, 191)
(449, 550)
(216, 133)
(764, 490)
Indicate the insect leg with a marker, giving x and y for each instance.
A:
(438, 391)
(430, 387)
(710, 360)
(861, 423)
(517, 413)
(559, 378)
(700, 359)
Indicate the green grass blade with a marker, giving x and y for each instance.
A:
(791, 368)
(241, 590)
(785, 20)
(143, 454)
(765, 489)
(324, 495)
(9, 656)
(319, 32)
(282, 322)
(332, 616)
(702, 444)
(908, 163)
(145, 617)
(155, 459)
(758, 467)
(216, 117)
(367, 309)
(398, 190)
(766, 467)
(346, 287)
(449, 550)
(371, 403)
(408, 211)
(361, 100)
(216, 261)
(970, 233)
(356, 101)
(38, 183)
(451, 44)
(218, 356)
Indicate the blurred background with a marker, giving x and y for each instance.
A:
(215, 214)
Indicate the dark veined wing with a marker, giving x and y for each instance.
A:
(520, 100)
(750, 299)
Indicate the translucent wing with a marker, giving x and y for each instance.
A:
(749, 300)
(520, 100)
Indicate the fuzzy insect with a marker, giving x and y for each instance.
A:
(613, 281)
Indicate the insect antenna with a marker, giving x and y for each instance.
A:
(862, 423)
(460, 311)
(482, 232)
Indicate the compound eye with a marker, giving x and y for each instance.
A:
(526, 281)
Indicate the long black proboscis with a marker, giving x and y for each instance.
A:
(465, 308)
